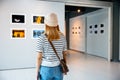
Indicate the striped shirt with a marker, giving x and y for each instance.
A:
(49, 58)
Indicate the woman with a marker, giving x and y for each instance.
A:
(48, 64)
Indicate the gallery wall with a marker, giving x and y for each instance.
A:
(97, 33)
(89, 33)
(20, 30)
(77, 33)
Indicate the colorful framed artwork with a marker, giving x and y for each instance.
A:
(38, 19)
(36, 33)
(17, 33)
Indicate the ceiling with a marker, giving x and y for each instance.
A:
(71, 11)
(74, 9)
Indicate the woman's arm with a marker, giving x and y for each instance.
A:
(38, 63)
(64, 55)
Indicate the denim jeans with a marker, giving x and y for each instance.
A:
(51, 73)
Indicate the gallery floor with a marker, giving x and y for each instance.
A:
(82, 67)
(88, 67)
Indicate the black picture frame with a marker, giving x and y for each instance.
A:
(17, 18)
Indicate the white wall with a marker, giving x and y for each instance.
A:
(20, 53)
(97, 44)
(77, 33)
(18, 56)
(90, 41)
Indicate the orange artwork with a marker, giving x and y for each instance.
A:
(18, 33)
(38, 19)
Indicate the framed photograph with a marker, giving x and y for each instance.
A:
(72, 32)
(18, 33)
(101, 31)
(90, 26)
(36, 33)
(101, 25)
(38, 19)
(96, 32)
(96, 26)
(18, 18)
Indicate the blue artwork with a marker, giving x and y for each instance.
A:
(37, 33)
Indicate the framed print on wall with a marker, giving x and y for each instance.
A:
(18, 33)
(101, 31)
(17, 18)
(36, 33)
(38, 19)
(101, 25)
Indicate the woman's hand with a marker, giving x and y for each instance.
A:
(38, 63)
(37, 77)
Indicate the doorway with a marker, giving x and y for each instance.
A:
(87, 30)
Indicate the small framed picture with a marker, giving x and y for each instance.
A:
(96, 32)
(101, 31)
(72, 32)
(90, 26)
(38, 19)
(18, 18)
(17, 33)
(36, 33)
(101, 25)
(96, 26)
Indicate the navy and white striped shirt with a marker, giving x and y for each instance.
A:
(49, 57)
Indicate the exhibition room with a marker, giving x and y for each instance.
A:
(89, 28)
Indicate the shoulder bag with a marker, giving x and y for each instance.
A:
(62, 61)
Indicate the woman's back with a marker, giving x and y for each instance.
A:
(48, 52)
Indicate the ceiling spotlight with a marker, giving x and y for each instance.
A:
(78, 10)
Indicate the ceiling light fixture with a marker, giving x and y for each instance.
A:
(78, 10)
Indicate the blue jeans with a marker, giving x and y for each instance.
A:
(51, 73)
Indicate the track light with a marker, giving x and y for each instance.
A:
(78, 10)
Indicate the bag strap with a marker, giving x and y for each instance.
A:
(53, 48)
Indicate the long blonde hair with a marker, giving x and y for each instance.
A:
(52, 33)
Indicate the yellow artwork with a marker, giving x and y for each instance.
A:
(18, 33)
(38, 19)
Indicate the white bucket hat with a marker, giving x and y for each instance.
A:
(51, 20)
